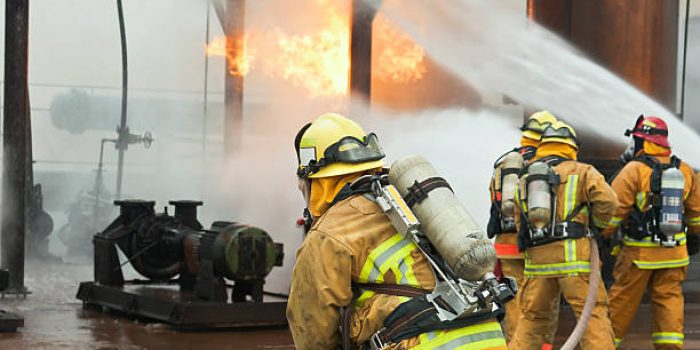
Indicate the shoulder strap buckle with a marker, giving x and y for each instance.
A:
(376, 341)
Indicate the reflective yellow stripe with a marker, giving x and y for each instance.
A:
(570, 195)
(371, 265)
(647, 242)
(570, 250)
(523, 205)
(615, 221)
(618, 341)
(426, 337)
(693, 221)
(407, 276)
(394, 255)
(667, 338)
(477, 337)
(393, 260)
(641, 200)
(665, 264)
(599, 222)
(568, 268)
(366, 294)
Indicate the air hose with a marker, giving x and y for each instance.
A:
(593, 281)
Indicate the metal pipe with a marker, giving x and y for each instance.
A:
(99, 179)
(15, 146)
(205, 96)
(123, 130)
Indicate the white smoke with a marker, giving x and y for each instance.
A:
(495, 47)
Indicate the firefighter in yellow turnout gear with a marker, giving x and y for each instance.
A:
(649, 258)
(502, 221)
(557, 252)
(352, 244)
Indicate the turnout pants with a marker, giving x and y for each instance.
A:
(666, 296)
(516, 268)
(538, 300)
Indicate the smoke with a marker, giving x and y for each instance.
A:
(487, 45)
(495, 47)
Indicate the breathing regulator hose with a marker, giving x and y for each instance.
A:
(593, 281)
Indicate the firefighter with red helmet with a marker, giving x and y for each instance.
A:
(659, 202)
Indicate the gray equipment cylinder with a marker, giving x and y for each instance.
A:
(672, 185)
(512, 160)
(539, 200)
(445, 221)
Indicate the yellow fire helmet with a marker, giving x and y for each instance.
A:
(334, 145)
(536, 123)
(560, 132)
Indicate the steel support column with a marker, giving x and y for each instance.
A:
(362, 17)
(234, 28)
(15, 142)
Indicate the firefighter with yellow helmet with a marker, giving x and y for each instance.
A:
(659, 200)
(501, 224)
(353, 269)
(558, 198)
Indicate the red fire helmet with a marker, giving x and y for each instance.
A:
(652, 129)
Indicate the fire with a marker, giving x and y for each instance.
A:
(399, 58)
(238, 57)
(319, 62)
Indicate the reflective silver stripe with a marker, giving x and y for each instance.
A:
(381, 259)
(403, 268)
(570, 250)
(667, 338)
(563, 268)
(653, 265)
(570, 195)
(471, 339)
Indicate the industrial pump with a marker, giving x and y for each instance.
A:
(160, 247)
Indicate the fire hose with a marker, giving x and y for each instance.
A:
(593, 281)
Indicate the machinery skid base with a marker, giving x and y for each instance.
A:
(9, 322)
(167, 304)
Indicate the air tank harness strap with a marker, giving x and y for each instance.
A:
(381, 288)
(361, 186)
(419, 190)
(645, 224)
(418, 316)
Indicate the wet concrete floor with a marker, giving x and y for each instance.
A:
(55, 319)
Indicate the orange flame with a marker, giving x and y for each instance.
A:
(238, 57)
(399, 58)
(320, 62)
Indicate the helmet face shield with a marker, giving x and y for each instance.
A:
(534, 125)
(349, 149)
(560, 133)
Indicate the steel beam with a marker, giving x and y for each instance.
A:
(233, 85)
(362, 18)
(15, 142)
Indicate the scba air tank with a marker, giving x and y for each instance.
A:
(445, 221)
(539, 199)
(671, 218)
(513, 162)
